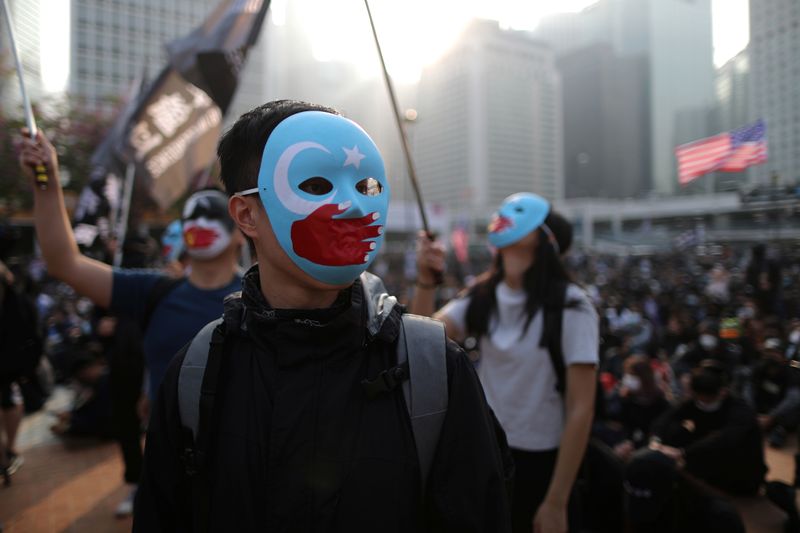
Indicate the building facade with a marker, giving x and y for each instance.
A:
(114, 43)
(26, 17)
(606, 135)
(673, 39)
(775, 84)
(490, 121)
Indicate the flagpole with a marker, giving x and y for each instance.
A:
(412, 172)
(30, 121)
(127, 196)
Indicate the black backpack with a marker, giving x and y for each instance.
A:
(20, 340)
(421, 372)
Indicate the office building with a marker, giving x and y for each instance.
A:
(490, 121)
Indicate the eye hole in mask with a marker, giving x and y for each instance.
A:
(369, 187)
(317, 186)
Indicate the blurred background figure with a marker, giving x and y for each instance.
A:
(774, 392)
(711, 431)
(661, 498)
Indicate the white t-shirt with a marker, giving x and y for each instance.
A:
(517, 374)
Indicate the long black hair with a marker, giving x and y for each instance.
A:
(541, 282)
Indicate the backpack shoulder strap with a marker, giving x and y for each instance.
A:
(160, 289)
(190, 377)
(423, 345)
(552, 327)
(197, 386)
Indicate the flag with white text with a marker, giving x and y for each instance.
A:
(173, 134)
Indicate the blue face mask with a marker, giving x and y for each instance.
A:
(172, 241)
(323, 184)
(518, 216)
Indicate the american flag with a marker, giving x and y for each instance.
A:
(732, 151)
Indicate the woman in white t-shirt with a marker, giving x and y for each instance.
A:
(547, 432)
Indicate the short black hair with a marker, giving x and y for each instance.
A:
(240, 148)
(562, 230)
(707, 379)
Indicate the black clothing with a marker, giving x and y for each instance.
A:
(532, 474)
(723, 448)
(636, 416)
(126, 369)
(695, 511)
(660, 499)
(91, 416)
(771, 381)
(20, 339)
(296, 444)
(722, 354)
(763, 278)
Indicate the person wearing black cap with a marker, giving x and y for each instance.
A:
(660, 498)
(711, 432)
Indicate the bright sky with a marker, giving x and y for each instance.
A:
(54, 47)
(415, 32)
(731, 28)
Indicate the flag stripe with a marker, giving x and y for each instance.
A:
(728, 152)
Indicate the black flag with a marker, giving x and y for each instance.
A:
(98, 206)
(173, 134)
(212, 56)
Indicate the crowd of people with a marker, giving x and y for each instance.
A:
(600, 393)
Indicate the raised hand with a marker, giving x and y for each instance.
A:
(37, 152)
(430, 259)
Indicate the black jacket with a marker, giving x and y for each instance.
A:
(296, 444)
(723, 448)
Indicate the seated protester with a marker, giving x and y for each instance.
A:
(90, 414)
(793, 343)
(707, 346)
(661, 498)
(309, 429)
(677, 334)
(711, 431)
(774, 392)
(637, 401)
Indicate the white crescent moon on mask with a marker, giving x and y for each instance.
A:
(280, 181)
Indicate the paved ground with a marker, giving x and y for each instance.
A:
(75, 486)
(63, 486)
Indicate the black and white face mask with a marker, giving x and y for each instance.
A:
(207, 227)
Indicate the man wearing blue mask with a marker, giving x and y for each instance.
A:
(306, 424)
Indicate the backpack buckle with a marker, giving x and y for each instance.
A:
(386, 381)
(192, 460)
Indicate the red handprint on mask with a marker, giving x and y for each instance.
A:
(500, 223)
(329, 241)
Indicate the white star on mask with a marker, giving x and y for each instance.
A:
(354, 157)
